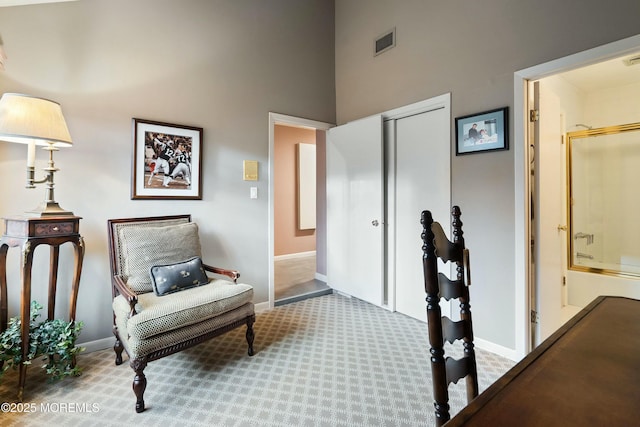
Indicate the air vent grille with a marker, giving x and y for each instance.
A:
(634, 60)
(384, 42)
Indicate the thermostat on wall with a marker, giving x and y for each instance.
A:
(250, 170)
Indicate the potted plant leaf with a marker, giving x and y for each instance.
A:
(53, 339)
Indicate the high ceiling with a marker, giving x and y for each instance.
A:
(606, 74)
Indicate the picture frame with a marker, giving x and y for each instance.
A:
(482, 132)
(167, 161)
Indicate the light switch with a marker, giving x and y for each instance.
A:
(253, 193)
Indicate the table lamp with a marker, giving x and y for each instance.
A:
(36, 121)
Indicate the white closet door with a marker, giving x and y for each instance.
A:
(422, 182)
(355, 237)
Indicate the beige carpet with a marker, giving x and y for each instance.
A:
(326, 361)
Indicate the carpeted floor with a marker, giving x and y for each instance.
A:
(325, 361)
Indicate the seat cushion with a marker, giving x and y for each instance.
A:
(170, 278)
(160, 343)
(144, 247)
(161, 314)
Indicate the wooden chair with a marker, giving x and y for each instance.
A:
(448, 370)
(153, 315)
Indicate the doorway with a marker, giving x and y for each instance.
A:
(578, 102)
(297, 244)
(527, 305)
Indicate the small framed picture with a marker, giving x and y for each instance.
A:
(167, 161)
(481, 132)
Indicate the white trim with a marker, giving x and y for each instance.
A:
(281, 119)
(522, 215)
(294, 255)
(509, 353)
(97, 345)
(321, 277)
(389, 129)
(261, 307)
(435, 103)
(347, 296)
(521, 158)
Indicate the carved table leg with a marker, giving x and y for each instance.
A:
(53, 280)
(3, 287)
(78, 248)
(139, 382)
(25, 313)
(3, 291)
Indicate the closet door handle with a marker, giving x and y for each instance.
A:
(375, 223)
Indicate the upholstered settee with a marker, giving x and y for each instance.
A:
(163, 300)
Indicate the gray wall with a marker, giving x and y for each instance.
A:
(222, 65)
(472, 50)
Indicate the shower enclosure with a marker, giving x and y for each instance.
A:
(604, 199)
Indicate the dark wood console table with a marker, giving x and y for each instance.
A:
(585, 374)
(28, 233)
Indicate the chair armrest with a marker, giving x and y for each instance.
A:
(126, 292)
(233, 274)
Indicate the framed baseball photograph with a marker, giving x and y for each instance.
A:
(482, 132)
(167, 161)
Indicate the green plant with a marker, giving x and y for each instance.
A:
(54, 340)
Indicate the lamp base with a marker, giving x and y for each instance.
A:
(49, 208)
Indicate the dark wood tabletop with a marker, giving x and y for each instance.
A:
(585, 374)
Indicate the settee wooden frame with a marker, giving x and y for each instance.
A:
(119, 287)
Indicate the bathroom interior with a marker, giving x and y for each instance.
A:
(600, 149)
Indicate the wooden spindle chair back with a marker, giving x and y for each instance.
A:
(447, 370)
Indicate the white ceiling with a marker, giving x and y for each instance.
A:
(5, 3)
(606, 74)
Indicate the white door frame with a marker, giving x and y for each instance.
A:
(521, 158)
(438, 102)
(281, 119)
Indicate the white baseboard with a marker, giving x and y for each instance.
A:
(342, 294)
(101, 344)
(261, 307)
(296, 255)
(495, 348)
(321, 277)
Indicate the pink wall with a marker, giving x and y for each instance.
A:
(287, 238)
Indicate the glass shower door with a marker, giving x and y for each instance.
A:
(604, 198)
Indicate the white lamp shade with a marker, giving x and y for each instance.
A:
(28, 119)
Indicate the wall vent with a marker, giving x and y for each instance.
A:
(384, 42)
(634, 60)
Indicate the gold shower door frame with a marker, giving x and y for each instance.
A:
(589, 263)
